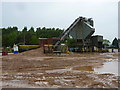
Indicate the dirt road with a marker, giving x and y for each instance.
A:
(29, 69)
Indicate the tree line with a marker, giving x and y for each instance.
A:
(113, 44)
(12, 35)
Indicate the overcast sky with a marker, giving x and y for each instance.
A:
(62, 14)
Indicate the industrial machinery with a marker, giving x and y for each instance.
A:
(82, 30)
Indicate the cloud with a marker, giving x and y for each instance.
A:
(62, 14)
(59, 0)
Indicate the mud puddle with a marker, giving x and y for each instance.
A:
(84, 68)
(107, 67)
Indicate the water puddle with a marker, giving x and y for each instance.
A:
(107, 67)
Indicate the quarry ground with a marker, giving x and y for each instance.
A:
(33, 69)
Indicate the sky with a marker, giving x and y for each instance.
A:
(119, 20)
(61, 14)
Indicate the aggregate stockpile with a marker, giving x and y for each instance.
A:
(82, 30)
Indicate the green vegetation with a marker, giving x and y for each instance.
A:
(12, 35)
(71, 43)
(115, 43)
(106, 42)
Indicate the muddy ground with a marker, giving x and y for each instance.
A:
(33, 69)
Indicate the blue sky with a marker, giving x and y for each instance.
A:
(62, 14)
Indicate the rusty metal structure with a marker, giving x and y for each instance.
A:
(48, 43)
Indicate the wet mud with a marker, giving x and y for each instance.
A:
(64, 71)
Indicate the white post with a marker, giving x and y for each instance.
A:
(15, 47)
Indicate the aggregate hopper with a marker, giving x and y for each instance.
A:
(81, 30)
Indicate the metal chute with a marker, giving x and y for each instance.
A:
(81, 29)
